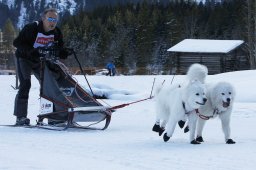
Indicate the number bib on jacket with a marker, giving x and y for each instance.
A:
(43, 40)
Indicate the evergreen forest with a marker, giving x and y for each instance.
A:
(136, 36)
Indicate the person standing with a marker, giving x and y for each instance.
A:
(33, 35)
(111, 69)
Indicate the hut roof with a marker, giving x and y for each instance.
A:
(205, 46)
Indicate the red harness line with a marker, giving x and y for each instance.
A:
(127, 104)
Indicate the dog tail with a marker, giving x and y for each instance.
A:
(197, 72)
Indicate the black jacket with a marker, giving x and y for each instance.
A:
(27, 37)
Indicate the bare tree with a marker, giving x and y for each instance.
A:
(251, 19)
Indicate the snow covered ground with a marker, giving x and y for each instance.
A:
(129, 143)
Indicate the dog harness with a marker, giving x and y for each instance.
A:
(215, 112)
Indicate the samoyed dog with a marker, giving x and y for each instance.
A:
(175, 102)
(220, 103)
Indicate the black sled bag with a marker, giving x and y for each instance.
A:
(63, 99)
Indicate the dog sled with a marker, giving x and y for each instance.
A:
(63, 100)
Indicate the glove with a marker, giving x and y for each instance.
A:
(65, 52)
(33, 53)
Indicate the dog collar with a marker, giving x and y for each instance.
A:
(202, 116)
(187, 112)
(215, 111)
(184, 107)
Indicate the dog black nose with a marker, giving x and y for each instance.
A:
(204, 100)
(228, 99)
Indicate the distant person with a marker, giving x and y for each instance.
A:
(37, 34)
(111, 69)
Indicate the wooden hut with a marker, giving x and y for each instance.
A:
(218, 55)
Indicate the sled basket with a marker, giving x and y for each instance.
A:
(62, 99)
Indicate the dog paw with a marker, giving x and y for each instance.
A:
(199, 139)
(195, 142)
(186, 129)
(181, 123)
(156, 128)
(230, 141)
(165, 137)
(161, 131)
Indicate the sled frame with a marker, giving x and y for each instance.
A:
(68, 108)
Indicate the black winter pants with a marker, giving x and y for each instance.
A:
(24, 68)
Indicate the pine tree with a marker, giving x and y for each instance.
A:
(137, 36)
(250, 44)
(9, 34)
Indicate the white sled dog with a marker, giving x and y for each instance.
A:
(175, 102)
(220, 103)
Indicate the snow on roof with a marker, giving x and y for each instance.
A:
(206, 46)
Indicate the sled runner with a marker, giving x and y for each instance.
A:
(24, 126)
(62, 99)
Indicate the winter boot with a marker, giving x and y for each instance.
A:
(186, 129)
(230, 141)
(166, 137)
(199, 139)
(195, 142)
(157, 128)
(181, 123)
(22, 121)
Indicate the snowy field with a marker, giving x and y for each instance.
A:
(129, 142)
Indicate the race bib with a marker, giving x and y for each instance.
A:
(43, 40)
(46, 106)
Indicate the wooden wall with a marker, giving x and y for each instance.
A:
(216, 62)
